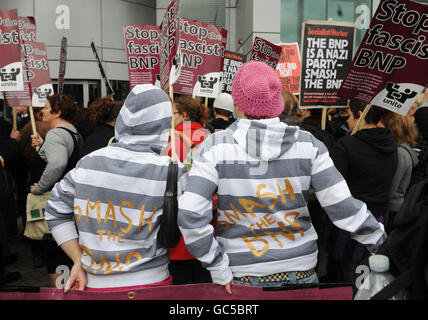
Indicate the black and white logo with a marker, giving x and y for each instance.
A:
(10, 75)
(396, 93)
(207, 82)
(42, 94)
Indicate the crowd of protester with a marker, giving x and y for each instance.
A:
(267, 196)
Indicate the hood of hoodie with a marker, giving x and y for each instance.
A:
(379, 138)
(412, 152)
(145, 118)
(265, 139)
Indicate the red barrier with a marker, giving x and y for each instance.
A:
(187, 292)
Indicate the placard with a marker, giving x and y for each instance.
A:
(202, 49)
(11, 70)
(327, 48)
(390, 67)
(232, 62)
(142, 45)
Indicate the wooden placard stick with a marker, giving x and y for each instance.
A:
(206, 102)
(360, 120)
(324, 118)
(33, 123)
(15, 126)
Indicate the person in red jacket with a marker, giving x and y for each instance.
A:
(190, 117)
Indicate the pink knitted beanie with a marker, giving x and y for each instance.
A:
(256, 90)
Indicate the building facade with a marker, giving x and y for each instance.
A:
(102, 21)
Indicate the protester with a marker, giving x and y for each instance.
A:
(339, 118)
(291, 105)
(224, 112)
(19, 168)
(102, 113)
(367, 161)
(114, 197)
(262, 170)
(5, 277)
(420, 172)
(36, 166)
(190, 117)
(312, 123)
(60, 152)
(405, 134)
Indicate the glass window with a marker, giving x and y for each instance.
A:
(94, 90)
(74, 90)
(121, 89)
(294, 12)
(208, 11)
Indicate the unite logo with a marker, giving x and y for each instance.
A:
(207, 82)
(9, 76)
(397, 97)
(42, 94)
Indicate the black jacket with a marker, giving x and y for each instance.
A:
(98, 139)
(368, 161)
(220, 124)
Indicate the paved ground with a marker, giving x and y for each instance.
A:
(30, 276)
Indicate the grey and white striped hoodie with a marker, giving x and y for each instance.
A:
(263, 170)
(115, 197)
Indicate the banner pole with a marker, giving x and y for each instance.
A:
(33, 123)
(363, 115)
(324, 118)
(173, 155)
(14, 118)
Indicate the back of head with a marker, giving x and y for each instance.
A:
(224, 105)
(64, 104)
(291, 104)
(373, 116)
(421, 120)
(256, 91)
(402, 127)
(145, 117)
(194, 110)
(100, 109)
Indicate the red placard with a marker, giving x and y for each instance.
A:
(36, 62)
(170, 53)
(202, 48)
(27, 28)
(288, 67)
(11, 71)
(142, 45)
(390, 67)
(27, 32)
(265, 51)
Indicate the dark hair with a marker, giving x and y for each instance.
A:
(63, 103)
(223, 112)
(373, 116)
(104, 110)
(193, 109)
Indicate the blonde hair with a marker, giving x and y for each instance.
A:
(291, 104)
(402, 127)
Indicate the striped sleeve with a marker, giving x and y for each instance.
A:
(344, 211)
(59, 210)
(194, 217)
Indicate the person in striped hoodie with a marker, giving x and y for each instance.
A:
(114, 196)
(262, 170)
